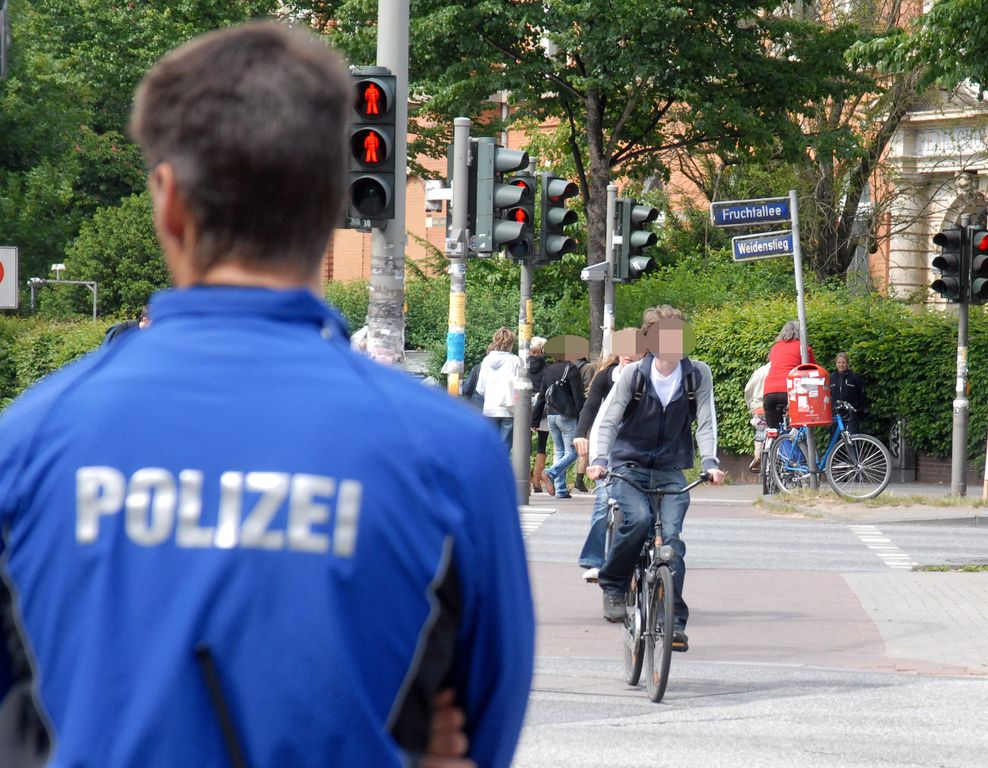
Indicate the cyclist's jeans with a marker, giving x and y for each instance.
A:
(592, 555)
(636, 525)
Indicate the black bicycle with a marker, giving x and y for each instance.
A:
(648, 622)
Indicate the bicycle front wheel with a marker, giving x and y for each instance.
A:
(859, 467)
(788, 463)
(633, 631)
(658, 634)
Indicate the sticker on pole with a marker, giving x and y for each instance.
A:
(750, 213)
(764, 245)
(8, 277)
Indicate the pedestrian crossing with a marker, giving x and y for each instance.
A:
(880, 545)
(532, 518)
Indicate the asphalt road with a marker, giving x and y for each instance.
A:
(813, 643)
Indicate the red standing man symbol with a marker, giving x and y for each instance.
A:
(371, 144)
(372, 100)
(521, 216)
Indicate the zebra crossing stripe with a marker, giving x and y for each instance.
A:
(882, 546)
(532, 518)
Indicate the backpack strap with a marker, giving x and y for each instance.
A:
(690, 379)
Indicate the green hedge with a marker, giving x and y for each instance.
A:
(905, 356)
(31, 349)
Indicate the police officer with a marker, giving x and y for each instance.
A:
(223, 539)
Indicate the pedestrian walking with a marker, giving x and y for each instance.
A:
(536, 371)
(847, 386)
(561, 398)
(496, 383)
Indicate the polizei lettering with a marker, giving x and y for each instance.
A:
(157, 507)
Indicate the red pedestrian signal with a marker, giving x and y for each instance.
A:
(371, 150)
(979, 264)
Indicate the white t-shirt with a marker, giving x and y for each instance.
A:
(666, 386)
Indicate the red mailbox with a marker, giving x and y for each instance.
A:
(809, 396)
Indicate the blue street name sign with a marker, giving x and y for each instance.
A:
(747, 213)
(762, 246)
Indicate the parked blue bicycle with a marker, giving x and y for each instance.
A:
(856, 466)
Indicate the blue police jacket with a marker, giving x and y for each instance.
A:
(229, 533)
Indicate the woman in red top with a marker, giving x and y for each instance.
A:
(782, 358)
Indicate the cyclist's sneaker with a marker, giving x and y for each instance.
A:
(590, 575)
(755, 466)
(680, 642)
(614, 609)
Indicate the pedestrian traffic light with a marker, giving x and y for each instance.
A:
(950, 263)
(630, 263)
(554, 217)
(371, 163)
(491, 197)
(977, 241)
(523, 248)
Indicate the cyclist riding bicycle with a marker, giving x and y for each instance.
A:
(645, 430)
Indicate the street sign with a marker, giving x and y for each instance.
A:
(8, 276)
(748, 213)
(764, 245)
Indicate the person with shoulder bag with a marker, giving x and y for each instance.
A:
(562, 397)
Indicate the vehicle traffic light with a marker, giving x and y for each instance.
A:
(554, 217)
(523, 248)
(491, 198)
(370, 159)
(950, 263)
(977, 241)
(630, 263)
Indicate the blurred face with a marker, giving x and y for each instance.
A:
(665, 339)
(842, 364)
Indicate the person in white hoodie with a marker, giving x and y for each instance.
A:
(496, 383)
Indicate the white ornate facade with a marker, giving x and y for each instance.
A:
(939, 160)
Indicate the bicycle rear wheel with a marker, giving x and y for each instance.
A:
(788, 462)
(765, 470)
(859, 467)
(658, 634)
(633, 631)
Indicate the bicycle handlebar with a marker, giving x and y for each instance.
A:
(703, 478)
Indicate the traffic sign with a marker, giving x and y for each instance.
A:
(748, 213)
(764, 245)
(8, 277)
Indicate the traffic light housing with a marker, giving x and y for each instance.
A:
(630, 261)
(950, 263)
(491, 197)
(523, 248)
(370, 155)
(554, 217)
(977, 241)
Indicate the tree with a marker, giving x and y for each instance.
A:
(629, 82)
(64, 109)
(118, 249)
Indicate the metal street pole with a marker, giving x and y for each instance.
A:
(457, 238)
(958, 442)
(521, 441)
(804, 354)
(385, 309)
(608, 337)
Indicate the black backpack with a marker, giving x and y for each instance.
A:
(559, 396)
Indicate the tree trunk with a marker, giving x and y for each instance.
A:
(596, 207)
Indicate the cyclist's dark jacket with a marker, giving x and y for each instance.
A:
(652, 436)
(235, 476)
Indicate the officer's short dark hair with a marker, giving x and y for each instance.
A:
(253, 119)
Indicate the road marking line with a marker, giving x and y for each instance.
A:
(532, 518)
(882, 547)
